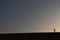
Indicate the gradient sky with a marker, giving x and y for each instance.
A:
(18, 16)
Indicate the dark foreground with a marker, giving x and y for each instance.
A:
(30, 36)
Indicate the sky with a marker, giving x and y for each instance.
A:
(24, 16)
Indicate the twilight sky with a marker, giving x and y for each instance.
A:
(20, 16)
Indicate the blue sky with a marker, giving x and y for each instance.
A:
(17, 16)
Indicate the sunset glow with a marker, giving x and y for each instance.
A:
(19, 16)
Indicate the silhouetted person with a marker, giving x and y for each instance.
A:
(54, 30)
